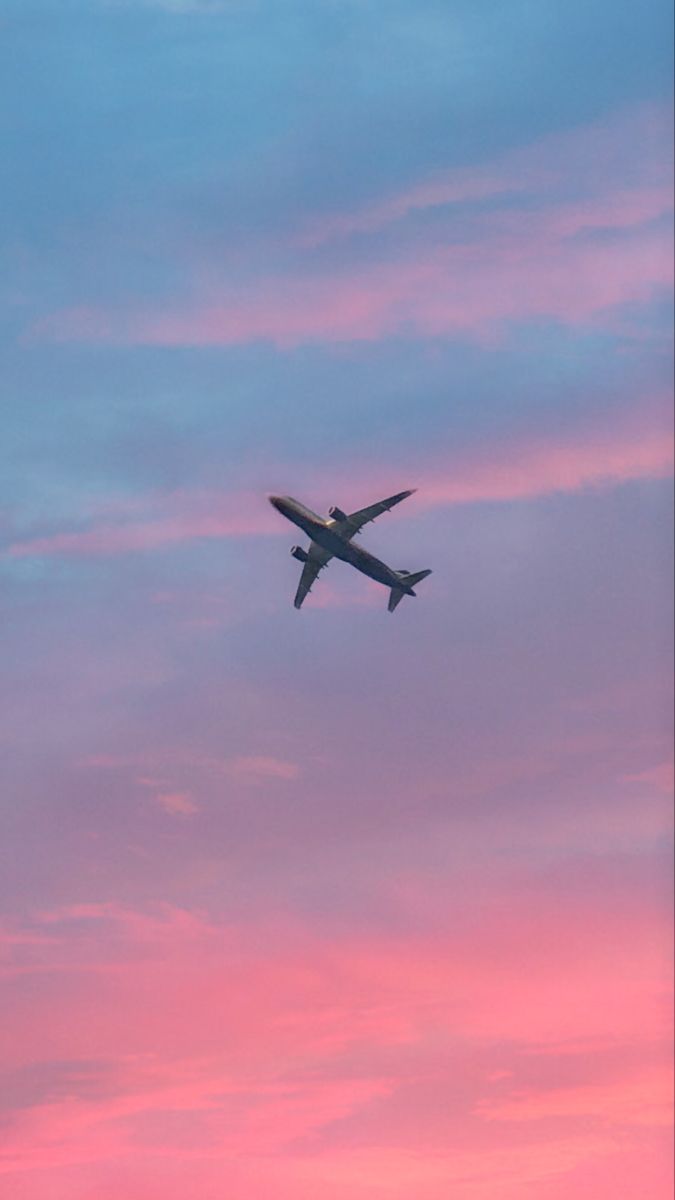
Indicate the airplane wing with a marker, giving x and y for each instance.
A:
(356, 520)
(317, 558)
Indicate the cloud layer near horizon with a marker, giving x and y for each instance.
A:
(306, 1058)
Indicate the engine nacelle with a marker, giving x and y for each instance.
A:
(337, 514)
(299, 553)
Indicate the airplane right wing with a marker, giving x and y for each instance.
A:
(356, 520)
(317, 558)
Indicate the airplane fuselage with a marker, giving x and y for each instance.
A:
(325, 534)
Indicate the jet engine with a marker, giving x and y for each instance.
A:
(337, 514)
(299, 553)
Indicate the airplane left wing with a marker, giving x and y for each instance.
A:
(356, 520)
(317, 558)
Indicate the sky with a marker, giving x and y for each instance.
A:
(336, 903)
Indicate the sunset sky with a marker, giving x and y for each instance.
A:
(336, 905)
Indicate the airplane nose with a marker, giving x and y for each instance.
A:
(280, 503)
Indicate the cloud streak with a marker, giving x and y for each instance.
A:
(532, 253)
(592, 156)
(470, 290)
(592, 458)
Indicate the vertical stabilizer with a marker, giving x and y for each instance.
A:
(407, 581)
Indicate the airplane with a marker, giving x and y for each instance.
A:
(332, 538)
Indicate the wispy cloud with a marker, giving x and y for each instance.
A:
(660, 777)
(259, 768)
(159, 770)
(534, 251)
(593, 157)
(644, 1100)
(160, 520)
(500, 275)
(177, 804)
(601, 458)
(594, 457)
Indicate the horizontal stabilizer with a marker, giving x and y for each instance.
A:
(407, 580)
(410, 580)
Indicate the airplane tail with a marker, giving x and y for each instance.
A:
(408, 580)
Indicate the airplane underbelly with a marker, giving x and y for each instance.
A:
(370, 565)
(356, 555)
(333, 544)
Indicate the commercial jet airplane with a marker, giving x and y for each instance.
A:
(332, 538)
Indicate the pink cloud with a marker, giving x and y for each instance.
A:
(593, 457)
(594, 153)
(347, 592)
(502, 265)
(539, 468)
(177, 803)
(184, 519)
(661, 777)
(268, 1052)
(456, 187)
(258, 768)
(535, 270)
(644, 1099)
(161, 771)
